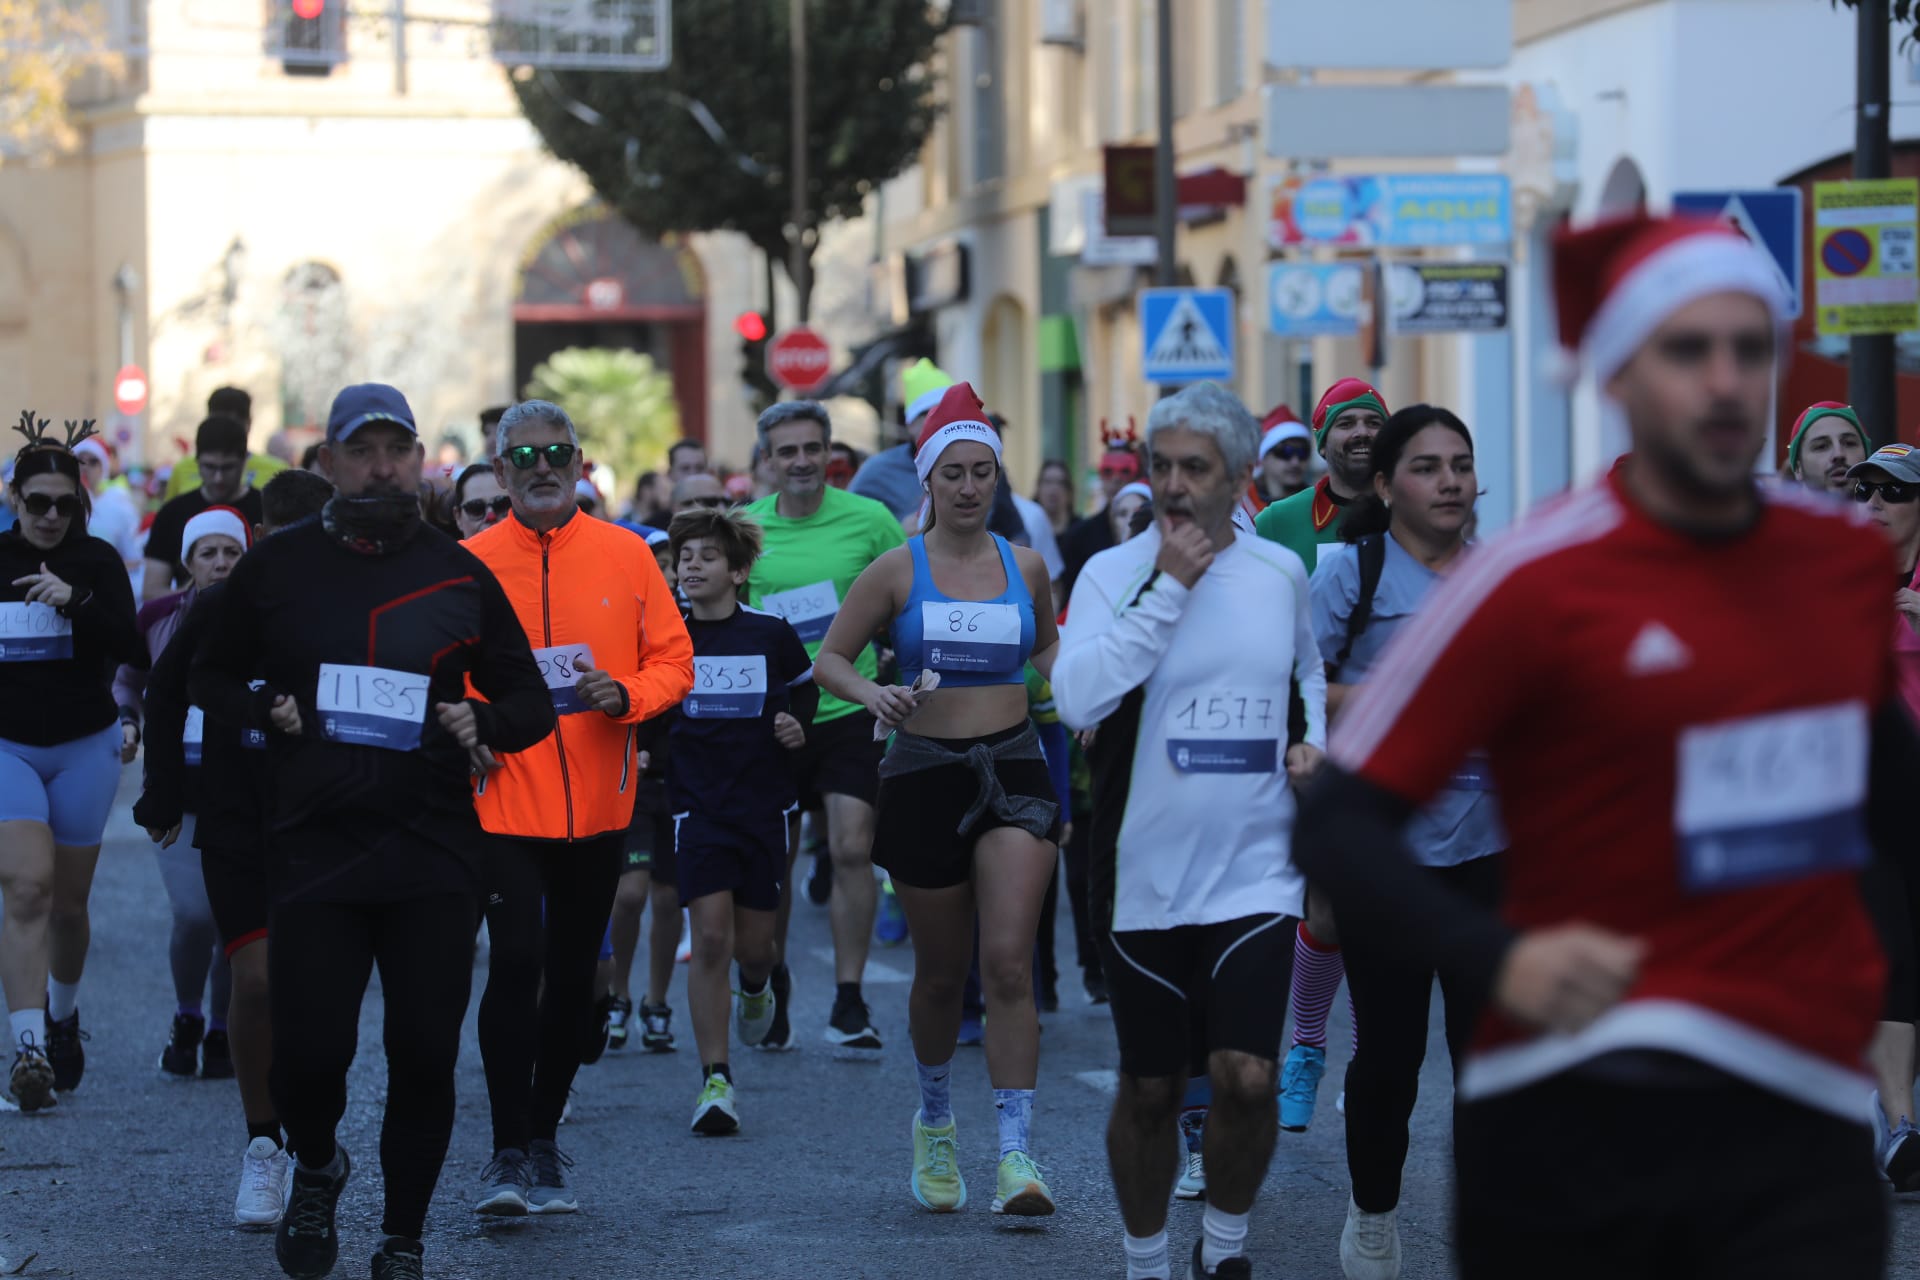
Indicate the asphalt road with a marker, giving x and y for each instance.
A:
(134, 1175)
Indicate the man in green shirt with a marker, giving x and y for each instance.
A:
(818, 539)
(1344, 423)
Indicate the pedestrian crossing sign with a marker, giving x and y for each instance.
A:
(1187, 335)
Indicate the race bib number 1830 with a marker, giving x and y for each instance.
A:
(371, 706)
(809, 609)
(1225, 732)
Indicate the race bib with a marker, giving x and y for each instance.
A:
(195, 737)
(960, 635)
(1226, 732)
(810, 610)
(33, 633)
(558, 668)
(727, 688)
(1771, 798)
(371, 706)
(1474, 774)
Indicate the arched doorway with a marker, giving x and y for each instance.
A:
(591, 280)
(1625, 189)
(1008, 378)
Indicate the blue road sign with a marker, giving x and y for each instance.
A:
(1769, 217)
(1187, 334)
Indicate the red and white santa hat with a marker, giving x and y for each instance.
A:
(225, 520)
(1617, 281)
(958, 416)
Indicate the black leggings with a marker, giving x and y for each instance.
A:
(1390, 1002)
(1078, 852)
(322, 955)
(529, 1071)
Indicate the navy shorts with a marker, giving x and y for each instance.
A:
(748, 861)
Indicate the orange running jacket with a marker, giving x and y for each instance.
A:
(587, 586)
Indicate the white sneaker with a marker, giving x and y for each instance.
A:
(685, 954)
(753, 1015)
(265, 1176)
(1193, 1180)
(1370, 1244)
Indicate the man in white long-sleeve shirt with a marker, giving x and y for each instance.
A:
(1180, 645)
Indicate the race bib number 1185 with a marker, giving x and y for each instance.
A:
(371, 706)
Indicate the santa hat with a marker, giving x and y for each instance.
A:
(957, 416)
(1617, 281)
(1812, 414)
(98, 451)
(215, 520)
(1348, 393)
(921, 386)
(1281, 432)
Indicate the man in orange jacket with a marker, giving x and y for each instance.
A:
(608, 637)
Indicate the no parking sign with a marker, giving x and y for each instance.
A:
(1866, 235)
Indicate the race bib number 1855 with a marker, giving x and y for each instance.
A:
(727, 688)
(1225, 732)
(371, 706)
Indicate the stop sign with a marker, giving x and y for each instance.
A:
(130, 390)
(799, 359)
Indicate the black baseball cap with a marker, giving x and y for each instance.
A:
(366, 402)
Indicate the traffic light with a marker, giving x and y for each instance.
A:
(312, 35)
(754, 331)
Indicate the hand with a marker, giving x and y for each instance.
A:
(1562, 978)
(285, 715)
(1303, 761)
(457, 718)
(164, 837)
(1906, 602)
(645, 760)
(787, 732)
(129, 741)
(1066, 834)
(598, 689)
(1185, 552)
(892, 705)
(44, 588)
(1086, 738)
(481, 761)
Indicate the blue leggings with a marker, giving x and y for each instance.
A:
(69, 787)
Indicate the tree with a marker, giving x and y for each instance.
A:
(623, 406)
(46, 46)
(1905, 13)
(642, 141)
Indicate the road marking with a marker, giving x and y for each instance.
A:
(877, 971)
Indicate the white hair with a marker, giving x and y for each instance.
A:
(533, 411)
(1210, 410)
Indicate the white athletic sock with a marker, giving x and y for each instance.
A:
(62, 999)
(1147, 1258)
(29, 1025)
(1224, 1235)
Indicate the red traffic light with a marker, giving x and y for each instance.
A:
(309, 9)
(751, 325)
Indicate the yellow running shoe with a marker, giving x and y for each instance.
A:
(1022, 1192)
(936, 1180)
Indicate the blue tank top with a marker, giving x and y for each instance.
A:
(971, 643)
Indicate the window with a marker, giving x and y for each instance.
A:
(1230, 63)
(309, 37)
(990, 90)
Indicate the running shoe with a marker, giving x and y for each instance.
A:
(1238, 1267)
(265, 1170)
(890, 921)
(1193, 1178)
(851, 1026)
(936, 1181)
(657, 1023)
(504, 1185)
(399, 1259)
(181, 1057)
(1300, 1086)
(684, 955)
(64, 1052)
(753, 1014)
(779, 1037)
(1095, 981)
(1021, 1192)
(549, 1192)
(1900, 1156)
(307, 1244)
(820, 883)
(1049, 995)
(1370, 1244)
(973, 1029)
(714, 1115)
(216, 1057)
(619, 1013)
(599, 1030)
(30, 1085)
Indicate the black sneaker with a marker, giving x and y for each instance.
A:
(307, 1244)
(851, 1026)
(1235, 1268)
(64, 1052)
(216, 1057)
(599, 1027)
(399, 1259)
(30, 1084)
(181, 1057)
(780, 1034)
(619, 1018)
(1049, 996)
(820, 883)
(1096, 984)
(657, 1019)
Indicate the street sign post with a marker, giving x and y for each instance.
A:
(1864, 243)
(130, 390)
(584, 35)
(1313, 299)
(1448, 297)
(1187, 335)
(1405, 210)
(1769, 217)
(799, 359)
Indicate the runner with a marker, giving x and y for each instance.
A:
(115, 517)
(66, 618)
(478, 500)
(1088, 536)
(732, 791)
(967, 814)
(1196, 883)
(1285, 447)
(233, 856)
(1827, 441)
(560, 810)
(364, 626)
(220, 445)
(1684, 764)
(818, 539)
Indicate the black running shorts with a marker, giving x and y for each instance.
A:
(840, 759)
(748, 860)
(237, 890)
(1231, 977)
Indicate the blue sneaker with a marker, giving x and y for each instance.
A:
(890, 922)
(1300, 1086)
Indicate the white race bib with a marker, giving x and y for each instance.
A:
(195, 737)
(963, 635)
(33, 633)
(371, 706)
(809, 609)
(1771, 798)
(557, 667)
(727, 688)
(1226, 731)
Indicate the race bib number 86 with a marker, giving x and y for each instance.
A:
(1225, 732)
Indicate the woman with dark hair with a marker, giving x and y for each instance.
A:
(478, 500)
(1054, 493)
(1400, 540)
(66, 622)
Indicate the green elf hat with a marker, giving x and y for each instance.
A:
(921, 386)
(1812, 414)
(1348, 393)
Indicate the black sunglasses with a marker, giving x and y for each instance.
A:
(38, 504)
(1292, 450)
(476, 508)
(716, 502)
(523, 456)
(1893, 491)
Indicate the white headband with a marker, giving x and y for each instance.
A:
(953, 433)
(212, 520)
(1135, 488)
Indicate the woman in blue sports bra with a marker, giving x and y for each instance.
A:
(967, 821)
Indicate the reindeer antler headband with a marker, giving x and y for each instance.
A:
(36, 430)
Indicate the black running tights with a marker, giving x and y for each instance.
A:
(321, 957)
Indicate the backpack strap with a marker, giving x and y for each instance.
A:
(1372, 553)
